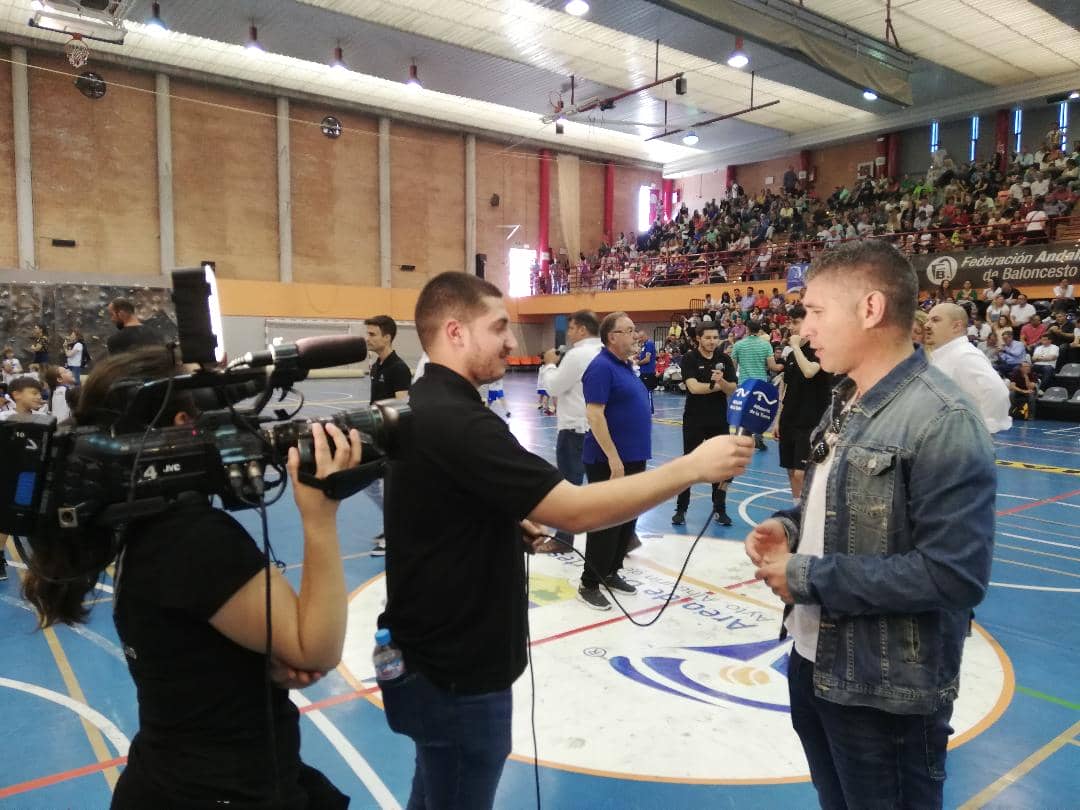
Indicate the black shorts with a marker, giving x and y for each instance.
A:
(794, 447)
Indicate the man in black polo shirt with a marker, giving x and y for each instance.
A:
(709, 376)
(455, 573)
(133, 332)
(804, 396)
(390, 379)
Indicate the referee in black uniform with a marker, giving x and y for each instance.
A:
(390, 379)
(455, 569)
(710, 377)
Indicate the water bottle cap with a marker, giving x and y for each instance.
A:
(382, 636)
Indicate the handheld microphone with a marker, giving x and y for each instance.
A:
(753, 407)
(309, 353)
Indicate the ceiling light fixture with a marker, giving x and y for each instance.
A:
(869, 95)
(578, 8)
(253, 43)
(414, 78)
(338, 62)
(1074, 94)
(38, 5)
(738, 58)
(690, 138)
(155, 24)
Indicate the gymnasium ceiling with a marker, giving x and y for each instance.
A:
(498, 65)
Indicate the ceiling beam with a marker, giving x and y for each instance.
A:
(973, 104)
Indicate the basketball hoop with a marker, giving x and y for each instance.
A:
(77, 51)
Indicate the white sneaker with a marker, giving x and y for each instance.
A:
(379, 549)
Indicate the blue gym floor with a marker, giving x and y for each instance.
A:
(617, 727)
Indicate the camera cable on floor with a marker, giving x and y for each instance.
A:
(630, 618)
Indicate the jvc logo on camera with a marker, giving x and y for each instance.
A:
(151, 472)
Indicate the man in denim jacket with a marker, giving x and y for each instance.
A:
(890, 549)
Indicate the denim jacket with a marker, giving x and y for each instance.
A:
(909, 536)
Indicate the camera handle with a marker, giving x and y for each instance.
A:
(341, 485)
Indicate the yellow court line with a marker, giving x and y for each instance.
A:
(1046, 468)
(71, 683)
(988, 794)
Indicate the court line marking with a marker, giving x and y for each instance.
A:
(1039, 553)
(621, 617)
(1032, 504)
(1036, 567)
(1011, 777)
(744, 505)
(1046, 588)
(713, 588)
(364, 772)
(1048, 698)
(1036, 540)
(57, 778)
(81, 630)
(71, 683)
(101, 586)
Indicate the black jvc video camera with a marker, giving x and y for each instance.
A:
(66, 477)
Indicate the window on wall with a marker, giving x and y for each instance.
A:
(974, 137)
(644, 206)
(1063, 124)
(1018, 128)
(935, 140)
(520, 264)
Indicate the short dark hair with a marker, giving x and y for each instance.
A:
(450, 295)
(21, 383)
(587, 320)
(123, 305)
(754, 327)
(607, 325)
(385, 324)
(797, 313)
(878, 266)
(708, 326)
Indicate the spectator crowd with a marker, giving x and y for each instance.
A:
(756, 236)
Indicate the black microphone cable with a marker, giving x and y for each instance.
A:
(528, 629)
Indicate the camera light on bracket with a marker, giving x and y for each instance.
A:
(198, 314)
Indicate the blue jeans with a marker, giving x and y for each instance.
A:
(76, 372)
(462, 742)
(568, 447)
(867, 758)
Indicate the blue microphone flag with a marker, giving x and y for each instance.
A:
(753, 406)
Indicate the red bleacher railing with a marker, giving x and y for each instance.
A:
(741, 266)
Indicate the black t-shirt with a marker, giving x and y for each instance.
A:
(131, 337)
(455, 570)
(706, 410)
(202, 698)
(388, 377)
(805, 400)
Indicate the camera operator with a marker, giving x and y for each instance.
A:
(455, 574)
(190, 611)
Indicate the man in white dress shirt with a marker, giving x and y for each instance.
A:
(952, 352)
(564, 382)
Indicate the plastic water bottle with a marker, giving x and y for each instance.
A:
(389, 663)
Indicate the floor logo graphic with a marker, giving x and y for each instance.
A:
(700, 696)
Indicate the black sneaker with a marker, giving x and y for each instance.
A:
(617, 583)
(3, 569)
(722, 518)
(592, 597)
(759, 443)
(379, 549)
(679, 518)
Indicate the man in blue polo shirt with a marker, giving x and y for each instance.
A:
(619, 443)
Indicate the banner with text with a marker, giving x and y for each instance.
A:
(1029, 264)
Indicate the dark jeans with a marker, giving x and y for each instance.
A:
(462, 742)
(1045, 374)
(76, 372)
(568, 447)
(605, 549)
(867, 758)
(692, 436)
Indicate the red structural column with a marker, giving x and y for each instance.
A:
(666, 189)
(893, 154)
(1001, 140)
(609, 202)
(882, 144)
(545, 207)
